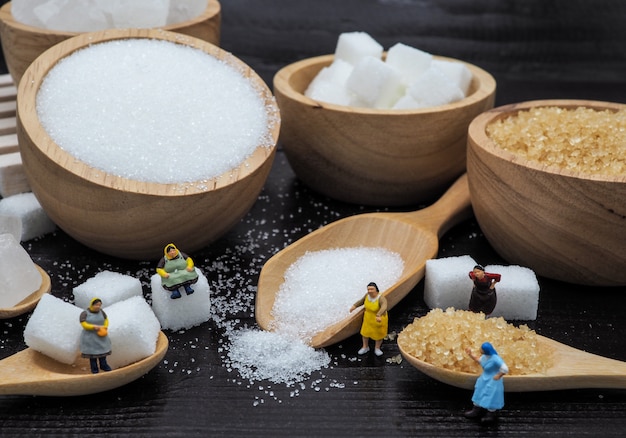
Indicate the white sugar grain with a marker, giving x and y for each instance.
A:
(152, 110)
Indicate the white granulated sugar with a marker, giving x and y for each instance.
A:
(321, 286)
(260, 355)
(118, 107)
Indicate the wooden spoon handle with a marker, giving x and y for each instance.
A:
(452, 208)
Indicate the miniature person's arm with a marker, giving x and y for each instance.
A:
(383, 308)
(189, 262)
(160, 268)
(83, 321)
(106, 319)
(471, 355)
(494, 278)
(358, 303)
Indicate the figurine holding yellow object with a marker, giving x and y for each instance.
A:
(375, 319)
(488, 394)
(94, 339)
(176, 270)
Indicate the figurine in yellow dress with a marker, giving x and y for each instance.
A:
(375, 319)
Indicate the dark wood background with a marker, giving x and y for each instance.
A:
(535, 49)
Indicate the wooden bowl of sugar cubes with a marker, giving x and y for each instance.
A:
(365, 128)
(548, 187)
(27, 31)
(125, 161)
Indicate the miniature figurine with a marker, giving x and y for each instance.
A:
(176, 270)
(375, 319)
(94, 339)
(488, 394)
(483, 298)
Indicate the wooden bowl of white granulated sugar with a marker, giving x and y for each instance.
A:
(25, 38)
(548, 187)
(134, 138)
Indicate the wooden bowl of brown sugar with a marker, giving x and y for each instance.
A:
(548, 187)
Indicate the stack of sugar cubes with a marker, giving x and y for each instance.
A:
(447, 284)
(54, 328)
(19, 277)
(408, 78)
(185, 312)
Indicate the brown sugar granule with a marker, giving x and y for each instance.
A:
(440, 338)
(581, 139)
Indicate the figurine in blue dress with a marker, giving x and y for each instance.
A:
(488, 395)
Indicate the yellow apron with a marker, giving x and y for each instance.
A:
(371, 328)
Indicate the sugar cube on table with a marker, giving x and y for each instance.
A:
(457, 72)
(447, 284)
(35, 221)
(11, 225)
(352, 47)
(54, 329)
(19, 277)
(184, 312)
(133, 330)
(434, 88)
(109, 286)
(408, 61)
(376, 83)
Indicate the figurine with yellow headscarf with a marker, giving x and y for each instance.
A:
(176, 270)
(94, 339)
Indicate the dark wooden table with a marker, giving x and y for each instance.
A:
(535, 49)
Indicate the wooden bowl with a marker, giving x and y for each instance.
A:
(562, 224)
(370, 156)
(22, 44)
(128, 218)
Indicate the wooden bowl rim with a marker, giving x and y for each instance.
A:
(477, 134)
(37, 71)
(486, 87)
(212, 10)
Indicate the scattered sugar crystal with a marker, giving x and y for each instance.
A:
(35, 221)
(408, 61)
(92, 15)
(117, 107)
(260, 355)
(19, 276)
(457, 72)
(434, 88)
(133, 330)
(447, 284)
(352, 47)
(376, 83)
(109, 286)
(440, 338)
(11, 225)
(320, 287)
(184, 312)
(54, 329)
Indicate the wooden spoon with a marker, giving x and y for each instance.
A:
(28, 303)
(32, 373)
(572, 369)
(413, 235)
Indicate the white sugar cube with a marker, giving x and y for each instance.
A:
(352, 47)
(457, 72)
(434, 88)
(139, 13)
(19, 276)
(408, 61)
(11, 225)
(376, 83)
(447, 284)
(109, 286)
(54, 329)
(184, 312)
(35, 221)
(329, 85)
(133, 331)
(406, 102)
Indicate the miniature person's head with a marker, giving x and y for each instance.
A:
(372, 289)
(488, 349)
(171, 251)
(479, 272)
(95, 305)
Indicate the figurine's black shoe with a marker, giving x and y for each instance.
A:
(94, 365)
(104, 366)
(188, 290)
(175, 295)
(475, 412)
(489, 418)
